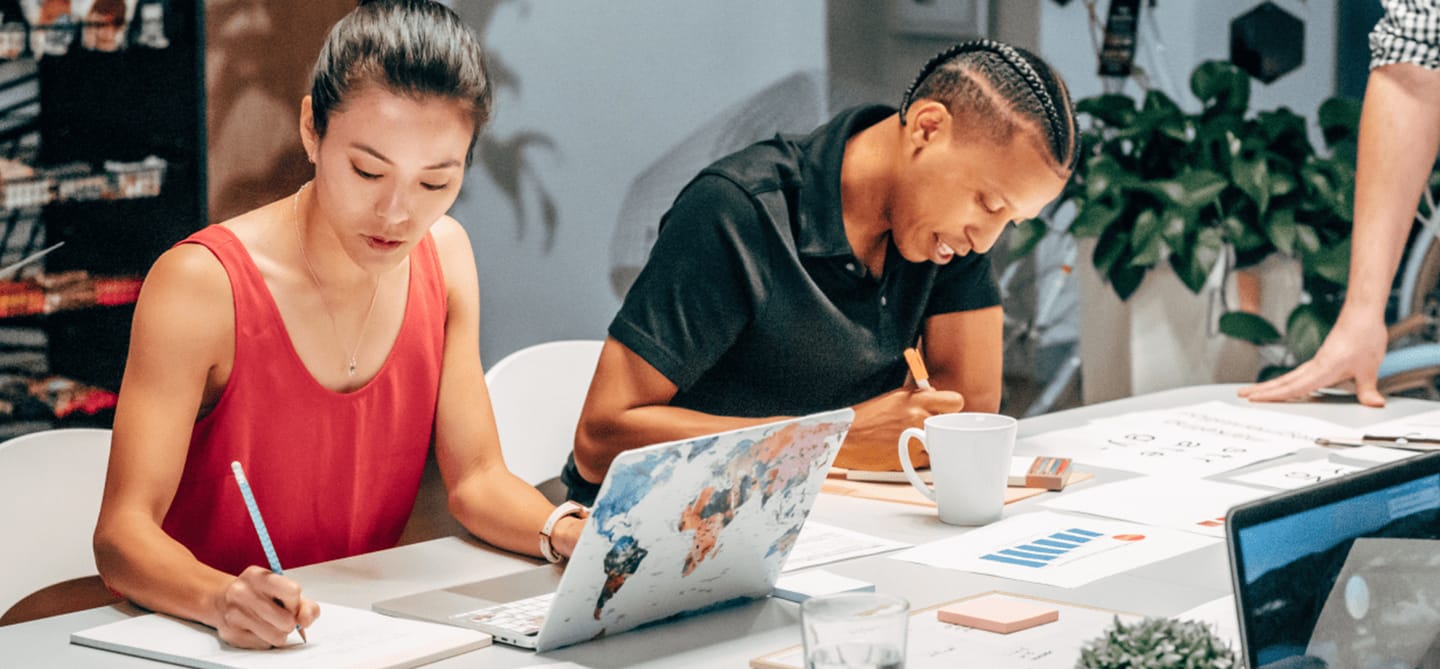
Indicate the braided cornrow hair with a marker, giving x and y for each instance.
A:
(970, 76)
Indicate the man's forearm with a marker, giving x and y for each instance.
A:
(598, 441)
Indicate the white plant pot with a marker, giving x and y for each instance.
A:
(1167, 337)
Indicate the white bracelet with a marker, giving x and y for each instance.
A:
(569, 508)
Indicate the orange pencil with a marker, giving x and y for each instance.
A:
(917, 369)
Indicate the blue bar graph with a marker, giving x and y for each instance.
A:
(1040, 552)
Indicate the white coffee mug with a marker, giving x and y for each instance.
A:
(969, 462)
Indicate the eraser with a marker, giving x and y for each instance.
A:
(998, 613)
(1040, 472)
(817, 582)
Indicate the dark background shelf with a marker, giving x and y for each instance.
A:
(124, 106)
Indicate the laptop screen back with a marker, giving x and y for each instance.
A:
(1342, 574)
(691, 524)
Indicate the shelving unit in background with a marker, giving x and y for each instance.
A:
(115, 145)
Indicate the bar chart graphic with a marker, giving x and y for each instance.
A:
(1056, 548)
(1047, 550)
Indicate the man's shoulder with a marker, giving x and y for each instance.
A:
(758, 168)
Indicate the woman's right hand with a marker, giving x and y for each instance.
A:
(260, 608)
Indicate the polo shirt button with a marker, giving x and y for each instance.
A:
(849, 266)
(882, 300)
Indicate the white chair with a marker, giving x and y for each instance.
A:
(52, 482)
(537, 393)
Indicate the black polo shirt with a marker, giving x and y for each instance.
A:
(752, 302)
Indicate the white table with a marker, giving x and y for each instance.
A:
(731, 637)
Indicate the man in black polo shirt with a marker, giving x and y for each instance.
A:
(789, 277)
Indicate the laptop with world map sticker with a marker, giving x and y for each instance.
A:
(677, 528)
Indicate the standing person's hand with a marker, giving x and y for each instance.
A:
(1353, 350)
(260, 608)
(871, 443)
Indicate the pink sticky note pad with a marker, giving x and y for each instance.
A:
(998, 613)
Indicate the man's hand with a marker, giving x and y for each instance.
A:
(1353, 350)
(871, 444)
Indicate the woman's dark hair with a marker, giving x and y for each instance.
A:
(998, 89)
(417, 48)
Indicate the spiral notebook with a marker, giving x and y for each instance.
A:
(340, 637)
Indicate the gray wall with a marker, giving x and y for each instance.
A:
(589, 96)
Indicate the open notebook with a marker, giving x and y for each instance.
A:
(341, 637)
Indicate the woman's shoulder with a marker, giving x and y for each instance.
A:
(457, 261)
(188, 264)
(449, 234)
(452, 244)
(186, 295)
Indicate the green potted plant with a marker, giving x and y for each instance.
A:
(1156, 184)
(1157, 643)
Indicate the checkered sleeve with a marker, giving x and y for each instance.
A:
(1408, 33)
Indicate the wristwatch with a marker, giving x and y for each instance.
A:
(569, 508)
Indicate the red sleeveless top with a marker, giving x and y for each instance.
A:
(334, 474)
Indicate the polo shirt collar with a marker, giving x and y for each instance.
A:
(821, 226)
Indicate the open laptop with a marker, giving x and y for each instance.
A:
(1345, 573)
(676, 528)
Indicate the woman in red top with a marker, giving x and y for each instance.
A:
(321, 341)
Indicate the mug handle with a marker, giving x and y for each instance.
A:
(910, 474)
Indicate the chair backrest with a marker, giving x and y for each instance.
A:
(537, 393)
(51, 484)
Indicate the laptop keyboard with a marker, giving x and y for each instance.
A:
(522, 616)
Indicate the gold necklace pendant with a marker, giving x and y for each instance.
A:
(315, 280)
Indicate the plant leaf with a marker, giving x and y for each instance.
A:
(1306, 239)
(1126, 279)
(1094, 219)
(1242, 236)
(1112, 109)
(1281, 184)
(1146, 240)
(1280, 228)
(1249, 327)
(1027, 236)
(1160, 104)
(1331, 262)
(1304, 332)
(1175, 226)
(1111, 245)
(1194, 268)
(1320, 183)
(1251, 176)
(1339, 120)
(1284, 134)
(1222, 87)
(1191, 190)
(1103, 175)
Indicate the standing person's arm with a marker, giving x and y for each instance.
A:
(182, 331)
(1399, 135)
(489, 500)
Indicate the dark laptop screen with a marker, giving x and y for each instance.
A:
(1345, 574)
